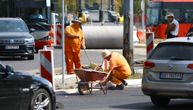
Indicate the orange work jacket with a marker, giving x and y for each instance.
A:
(75, 43)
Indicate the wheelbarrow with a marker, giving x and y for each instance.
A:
(88, 78)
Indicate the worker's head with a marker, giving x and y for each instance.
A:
(77, 23)
(106, 54)
(170, 17)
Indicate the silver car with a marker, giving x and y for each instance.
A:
(15, 39)
(168, 71)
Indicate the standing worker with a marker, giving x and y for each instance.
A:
(172, 27)
(74, 41)
(119, 70)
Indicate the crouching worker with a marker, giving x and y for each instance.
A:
(119, 70)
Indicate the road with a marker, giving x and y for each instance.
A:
(94, 54)
(130, 99)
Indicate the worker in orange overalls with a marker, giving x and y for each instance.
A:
(74, 41)
(119, 70)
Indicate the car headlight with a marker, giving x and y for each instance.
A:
(29, 40)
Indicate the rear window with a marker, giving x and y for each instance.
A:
(178, 51)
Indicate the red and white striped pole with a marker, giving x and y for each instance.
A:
(53, 28)
(149, 42)
(59, 35)
(47, 65)
(52, 33)
(105, 65)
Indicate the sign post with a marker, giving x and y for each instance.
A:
(128, 32)
(63, 36)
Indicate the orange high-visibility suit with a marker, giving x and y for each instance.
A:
(73, 46)
(120, 68)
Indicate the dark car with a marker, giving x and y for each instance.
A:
(15, 39)
(22, 91)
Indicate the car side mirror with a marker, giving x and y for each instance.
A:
(32, 30)
(9, 69)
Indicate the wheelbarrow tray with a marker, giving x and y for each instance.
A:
(87, 75)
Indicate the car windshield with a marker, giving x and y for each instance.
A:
(173, 51)
(12, 26)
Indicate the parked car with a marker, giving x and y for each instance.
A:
(15, 39)
(42, 34)
(168, 71)
(23, 91)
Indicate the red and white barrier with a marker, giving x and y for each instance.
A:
(56, 34)
(149, 42)
(52, 31)
(59, 34)
(47, 65)
(105, 65)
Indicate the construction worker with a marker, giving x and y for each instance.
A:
(74, 41)
(119, 70)
(172, 27)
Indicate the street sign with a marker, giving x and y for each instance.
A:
(48, 3)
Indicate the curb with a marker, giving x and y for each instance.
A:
(131, 83)
(138, 45)
(70, 83)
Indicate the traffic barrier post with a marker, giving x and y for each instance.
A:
(53, 27)
(105, 65)
(47, 65)
(149, 42)
(53, 33)
(59, 35)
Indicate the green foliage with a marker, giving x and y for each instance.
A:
(118, 6)
(137, 7)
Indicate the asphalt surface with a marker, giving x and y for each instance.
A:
(94, 55)
(130, 99)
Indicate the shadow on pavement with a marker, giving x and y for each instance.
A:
(174, 105)
(12, 59)
(59, 106)
(63, 93)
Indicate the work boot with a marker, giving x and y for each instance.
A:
(117, 87)
(111, 88)
(120, 87)
(124, 82)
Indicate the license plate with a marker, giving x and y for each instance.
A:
(11, 47)
(175, 76)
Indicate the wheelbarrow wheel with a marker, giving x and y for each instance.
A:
(83, 88)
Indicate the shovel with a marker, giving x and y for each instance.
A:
(92, 65)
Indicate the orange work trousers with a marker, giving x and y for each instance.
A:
(71, 58)
(117, 77)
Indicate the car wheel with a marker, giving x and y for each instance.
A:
(160, 101)
(41, 100)
(30, 57)
(36, 50)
